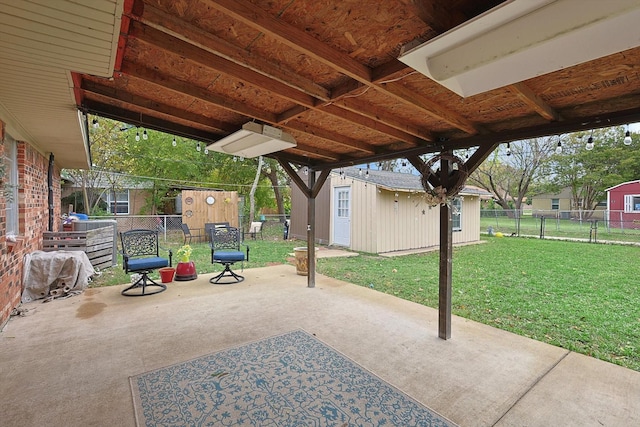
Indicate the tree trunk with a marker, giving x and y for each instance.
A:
(273, 177)
(252, 193)
(85, 196)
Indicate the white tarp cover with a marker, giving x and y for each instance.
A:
(55, 274)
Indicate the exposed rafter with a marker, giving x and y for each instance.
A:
(301, 41)
(332, 79)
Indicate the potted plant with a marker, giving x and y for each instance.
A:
(186, 269)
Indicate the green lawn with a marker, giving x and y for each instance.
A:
(580, 296)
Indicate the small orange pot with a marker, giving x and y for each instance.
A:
(166, 274)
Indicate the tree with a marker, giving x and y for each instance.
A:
(103, 139)
(170, 162)
(279, 182)
(165, 164)
(588, 173)
(512, 170)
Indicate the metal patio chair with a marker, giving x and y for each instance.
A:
(225, 249)
(254, 229)
(190, 234)
(141, 254)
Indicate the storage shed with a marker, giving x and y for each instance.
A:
(379, 211)
(623, 205)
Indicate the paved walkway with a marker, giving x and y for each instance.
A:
(68, 362)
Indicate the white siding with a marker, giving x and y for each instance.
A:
(380, 224)
(470, 221)
(41, 43)
(410, 223)
(364, 216)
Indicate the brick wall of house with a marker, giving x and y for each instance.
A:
(33, 216)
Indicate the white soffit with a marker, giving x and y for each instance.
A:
(522, 39)
(41, 43)
(254, 140)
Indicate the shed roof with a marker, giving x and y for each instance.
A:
(623, 184)
(395, 181)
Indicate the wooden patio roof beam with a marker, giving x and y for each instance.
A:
(331, 136)
(373, 124)
(358, 106)
(148, 121)
(154, 77)
(212, 61)
(239, 70)
(90, 87)
(536, 103)
(257, 18)
(172, 25)
(296, 39)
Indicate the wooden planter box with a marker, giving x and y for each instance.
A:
(98, 244)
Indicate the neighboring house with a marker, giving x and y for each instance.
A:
(378, 211)
(551, 204)
(623, 205)
(561, 205)
(129, 198)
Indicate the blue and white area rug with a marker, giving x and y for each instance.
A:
(287, 380)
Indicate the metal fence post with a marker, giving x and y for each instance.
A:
(593, 232)
(542, 227)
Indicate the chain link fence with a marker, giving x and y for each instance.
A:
(169, 227)
(596, 226)
(599, 226)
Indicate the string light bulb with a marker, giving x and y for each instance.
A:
(137, 135)
(590, 144)
(174, 142)
(559, 148)
(508, 148)
(627, 138)
(144, 135)
(198, 147)
(206, 151)
(96, 125)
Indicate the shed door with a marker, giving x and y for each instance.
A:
(342, 216)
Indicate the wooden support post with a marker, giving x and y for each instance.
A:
(311, 231)
(311, 191)
(446, 255)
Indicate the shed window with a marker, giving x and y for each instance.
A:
(632, 203)
(343, 204)
(122, 205)
(555, 204)
(456, 214)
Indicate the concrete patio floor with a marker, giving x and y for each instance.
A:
(68, 362)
